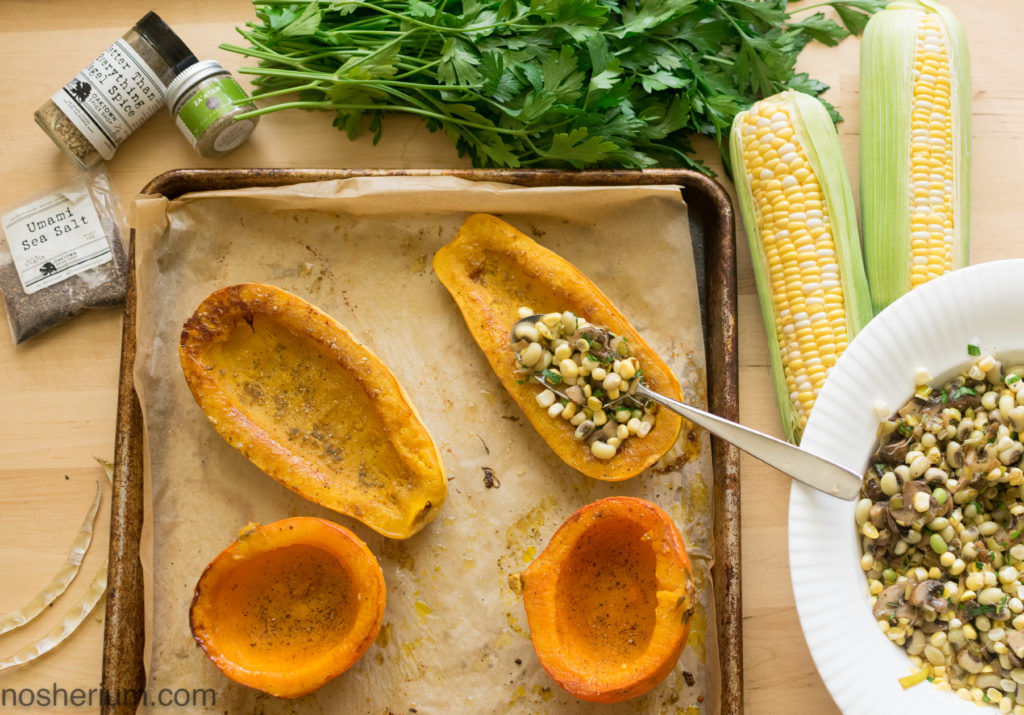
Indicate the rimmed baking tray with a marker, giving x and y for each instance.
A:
(712, 231)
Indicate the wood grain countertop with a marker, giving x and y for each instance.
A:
(58, 391)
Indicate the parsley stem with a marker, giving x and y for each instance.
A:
(371, 82)
(378, 108)
(292, 89)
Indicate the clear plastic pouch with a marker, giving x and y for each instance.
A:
(62, 253)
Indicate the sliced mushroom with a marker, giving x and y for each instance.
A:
(877, 513)
(892, 606)
(889, 600)
(963, 401)
(927, 595)
(606, 432)
(575, 395)
(1015, 642)
(1012, 534)
(970, 662)
(893, 453)
(903, 510)
(884, 538)
(871, 487)
(912, 407)
(972, 471)
(597, 339)
(583, 430)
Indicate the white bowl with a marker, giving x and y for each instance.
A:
(930, 328)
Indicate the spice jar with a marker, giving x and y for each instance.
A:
(118, 91)
(205, 101)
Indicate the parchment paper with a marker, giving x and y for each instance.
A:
(455, 638)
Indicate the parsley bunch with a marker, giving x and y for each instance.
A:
(554, 83)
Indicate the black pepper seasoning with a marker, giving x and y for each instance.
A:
(108, 100)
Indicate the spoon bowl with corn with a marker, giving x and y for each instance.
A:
(629, 393)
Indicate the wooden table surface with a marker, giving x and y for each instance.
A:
(58, 391)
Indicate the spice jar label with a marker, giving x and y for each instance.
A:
(55, 238)
(210, 103)
(112, 97)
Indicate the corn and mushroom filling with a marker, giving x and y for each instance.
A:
(941, 520)
(590, 374)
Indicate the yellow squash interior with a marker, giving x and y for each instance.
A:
(491, 269)
(304, 399)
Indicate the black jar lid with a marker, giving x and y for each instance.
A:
(174, 52)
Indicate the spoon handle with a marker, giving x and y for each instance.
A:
(815, 471)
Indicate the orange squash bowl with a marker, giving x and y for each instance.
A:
(289, 605)
(609, 600)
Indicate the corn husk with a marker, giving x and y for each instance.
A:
(78, 612)
(820, 143)
(60, 582)
(886, 95)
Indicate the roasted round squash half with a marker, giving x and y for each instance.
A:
(289, 606)
(296, 393)
(491, 269)
(609, 601)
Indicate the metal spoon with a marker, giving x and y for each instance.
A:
(818, 472)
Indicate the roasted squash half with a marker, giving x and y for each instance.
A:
(289, 605)
(296, 393)
(609, 601)
(491, 269)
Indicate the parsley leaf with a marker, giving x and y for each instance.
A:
(553, 377)
(980, 610)
(554, 83)
(961, 391)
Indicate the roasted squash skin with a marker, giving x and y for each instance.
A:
(609, 600)
(289, 605)
(303, 400)
(491, 269)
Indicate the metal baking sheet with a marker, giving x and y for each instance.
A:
(713, 236)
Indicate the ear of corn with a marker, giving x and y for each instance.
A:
(915, 99)
(799, 215)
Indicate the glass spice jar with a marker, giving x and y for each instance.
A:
(108, 100)
(205, 101)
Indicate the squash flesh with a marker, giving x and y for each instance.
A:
(281, 608)
(606, 594)
(308, 404)
(294, 391)
(491, 269)
(610, 599)
(289, 605)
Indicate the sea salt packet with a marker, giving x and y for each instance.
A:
(61, 253)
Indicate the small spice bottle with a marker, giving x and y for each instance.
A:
(204, 101)
(97, 110)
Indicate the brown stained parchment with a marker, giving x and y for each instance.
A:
(455, 638)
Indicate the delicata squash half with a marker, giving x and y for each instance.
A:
(303, 400)
(609, 601)
(491, 269)
(289, 605)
